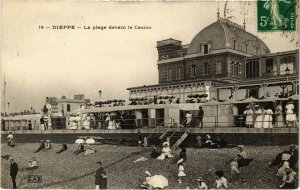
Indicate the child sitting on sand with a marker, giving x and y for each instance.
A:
(201, 184)
(221, 182)
(145, 184)
(234, 171)
(234, 166)
(33, 164)
(166, 151)
(288, 179)
(281, 170)
(89, 150)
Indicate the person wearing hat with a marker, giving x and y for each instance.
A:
(41, 147)
(208, 142)
(33, 164)
(201, 185)
(288, 179)
(291, 118)
(79, 150)
(100, 177)
(249, 117)
(279, 116)
(63, 148)
(258, 117)
(290, 155)
(166, 151)
(268, 119)
(9, 138)
(13, 172)
(242, 157)
(180, 170)
(221, 182)
(145, 184)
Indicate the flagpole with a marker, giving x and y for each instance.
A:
(4, 95)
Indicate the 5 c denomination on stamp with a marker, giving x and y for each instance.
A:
(276, 15)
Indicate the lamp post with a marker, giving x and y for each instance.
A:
(287, 72)
(8, 108)
(100, 93)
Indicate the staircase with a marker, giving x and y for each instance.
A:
(175, 137)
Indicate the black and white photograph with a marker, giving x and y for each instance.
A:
(149, 94)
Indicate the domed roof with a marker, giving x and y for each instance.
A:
(226, 34)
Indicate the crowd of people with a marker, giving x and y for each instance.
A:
(263, 116)
(285, 161)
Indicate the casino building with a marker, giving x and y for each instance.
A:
(222, 61)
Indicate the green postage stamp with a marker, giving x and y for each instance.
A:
(276, 15)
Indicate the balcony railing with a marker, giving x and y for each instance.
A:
(279, 121)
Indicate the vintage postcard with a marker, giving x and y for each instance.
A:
(149, 95)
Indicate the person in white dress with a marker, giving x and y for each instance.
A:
(259, 117)
(279, 116)
(188, 119)
(166, 151)
(10, 138)
(268, 119)
(249, 117)
(86, 121)
(221, 182)
(201, 184)
(111, 123)
(291, 118)
(180, 170)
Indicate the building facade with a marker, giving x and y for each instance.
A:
(223, 60)
(65, 106)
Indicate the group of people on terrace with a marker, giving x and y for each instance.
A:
(263, 116)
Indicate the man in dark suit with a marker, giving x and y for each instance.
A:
(100, 178)
(13, 172)
(200, 117)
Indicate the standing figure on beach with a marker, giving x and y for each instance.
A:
(100, 178)
(249, 117)
(259, 117)
(181, 173)
(279, 116)
(268, 119)
(13, 172)
(291, 118)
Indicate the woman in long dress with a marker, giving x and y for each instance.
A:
(291, 118)
(279, 116)
(268, 118)
(249, 117)
(111, 123)
(259, 117)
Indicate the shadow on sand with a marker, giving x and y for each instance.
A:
(90, 173)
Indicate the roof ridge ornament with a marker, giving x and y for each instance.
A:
(218, 13)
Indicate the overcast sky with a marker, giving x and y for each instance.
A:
(46, 62)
